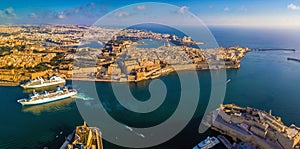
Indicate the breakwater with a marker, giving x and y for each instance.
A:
(293, 59)
(274, 49)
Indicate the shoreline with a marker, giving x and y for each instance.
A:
(5, 83)
(87, 78)
(149, 78)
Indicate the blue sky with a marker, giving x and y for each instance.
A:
(218, 12)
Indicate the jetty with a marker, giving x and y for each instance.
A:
(293, 59)
(274, 49)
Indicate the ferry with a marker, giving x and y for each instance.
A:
(208, 143)
(38, 98)
(40, 82)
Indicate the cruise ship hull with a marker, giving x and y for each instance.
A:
(46, 100)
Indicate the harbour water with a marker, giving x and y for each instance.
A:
(266, 80)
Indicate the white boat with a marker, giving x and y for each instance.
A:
(40, 82)
(208, 143)
(228, 81)
(46, 97)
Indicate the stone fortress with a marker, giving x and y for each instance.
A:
(257, 127)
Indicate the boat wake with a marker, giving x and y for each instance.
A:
(129, 128)
(136, 133)
(83, 96)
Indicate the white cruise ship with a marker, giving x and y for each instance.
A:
(46, 97)
(40, 82)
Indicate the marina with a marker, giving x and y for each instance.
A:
(67, 116)
(264, 78)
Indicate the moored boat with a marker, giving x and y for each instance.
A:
(224, 140)
(208, 143)
(40, 82)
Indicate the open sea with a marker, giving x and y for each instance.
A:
(266, 80)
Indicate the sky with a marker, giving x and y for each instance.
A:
(211, 12)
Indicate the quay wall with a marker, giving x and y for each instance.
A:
(243, 135)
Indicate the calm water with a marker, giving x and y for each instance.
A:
(266, 80)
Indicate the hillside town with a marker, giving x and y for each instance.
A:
(101, 54)
(135, 64)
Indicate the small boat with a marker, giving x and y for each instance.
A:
(140, 135)
(224, 140)
(129, 128)
(228, 81)
(39, 98)
(40, 82)
(208, 143)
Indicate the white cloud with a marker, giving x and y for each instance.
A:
(255, 21)
(226, 9)
(183, 9)
(7, 13)
(293, 7)
(140, 7)
(121, 14)
(61, 15)
(33, 15)
(243, 8)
